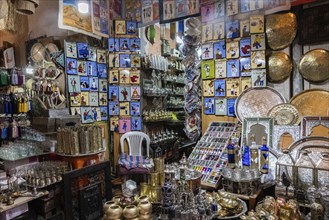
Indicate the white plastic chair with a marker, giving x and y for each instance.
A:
(135, 141)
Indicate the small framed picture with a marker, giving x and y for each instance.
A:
(207, 13)
(102, 85)
(124, 76)
(87, 115)
(135, 108)
(220, 50)
(220, 87)
(219, 9)
(101, 70)
(91, 68)
(135, 92)
(102, 99)
(136, 123)
(208, 69)
(114, 76)
(231, 107)
(135, 61)
(120, 26)
(92, 54)
(245, 83)
(93, 82)
(244, 6)
(245, 28)
(232, 68)
(83, 50)
(125, 60)
(104, 114)
(75, 99)
(207, 32)
(134, 44)
(84, 83)
(82, 67)
(74, 83)
(232, 29)
(124, 108)
(232, 49)
(124, 125)
(245, 47)
(114, 108)
(113, 93)
(233, 87)
(245, 66)
(256, 4)
(114, 44)
(209, 106)
(114, 124)
(134, 77)
(93, 99)
(71, 49)
(124, 44)
(258, 59)
(131, 27)
(256, 24)
(125, 94)
(101, 56)
(207, 51)
(71, 66)
(219, 31)
(258, 42)
(232, 7)
(258, 78)
(220, 106)
(75, 111)
(114, 60)
(220, 69)
(84, 98)
(208, 88)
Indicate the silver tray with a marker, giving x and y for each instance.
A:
(257, 102)
(245, 209)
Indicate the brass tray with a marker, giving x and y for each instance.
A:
(314, 66)
(285, 114)
(281, 30)
(279, 67)
(312, 102)
(256, 102)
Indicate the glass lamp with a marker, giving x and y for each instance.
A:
(285, 165)
(322, 170)
(305, 170)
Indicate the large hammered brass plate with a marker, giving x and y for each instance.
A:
(312, 102)
(314, 65)
(281, 30)
(279, 67)
(256, 102)
(285, 114)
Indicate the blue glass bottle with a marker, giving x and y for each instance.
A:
(230, 154)
(246, 156)
(264, 154)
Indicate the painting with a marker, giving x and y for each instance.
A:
(256, 4)
(219, 9)
(244, 6)
(84, 83)
(124, 108)
(208, 88)
(245, 83)
(102, 99)
(84, 98)
(256, 24)
(93, 82)
(114, 60)
(93, 99)
(75, 99)
(114, 108)
(101, 56)
(258, 59)
(104, 114)
(114, 124)
(232, 29)
(245, 28)
(232, 68)
(134, 77)
(208, 69)
(124, 76)
(245, 47)
(114, 76)
(219, 30)
(101, 70)
(135, 61)
(71, 66)
(207, 51)
(221, 106)
(124, 125)
(83, 50)
(125, 93)
(114, 44)
(71, 49)
(220, 69)
(231, 107)
(113, 93)
(258, 42)
(136, 123)
(91, 68)
(135, 108)
(92, 54)
(124, 60)
(87, 115)
(245, 66)
(120, 27)
(219, 50)
(258, 78)
(74, 83)
(220, 87)
(207, 33)
(75, 111)
(232, 7)
(207, 13)
(134, 44)
(124, 44)
(102, 85)
(131, 27)
(233, 87)
(232, 49)
(135, 92)
(209, 106)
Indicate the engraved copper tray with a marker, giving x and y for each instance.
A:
(279, 67)
(256, 102)
(314, 66)
(312, 102)
(285, 114)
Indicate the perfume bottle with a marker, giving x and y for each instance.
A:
(230, 154)
(253, 153)
(264, 154)
(246, 156)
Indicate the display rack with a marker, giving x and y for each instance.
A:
(209, 156)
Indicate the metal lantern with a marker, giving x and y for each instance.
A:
(322, 170)
(305, 170)
(285, 166)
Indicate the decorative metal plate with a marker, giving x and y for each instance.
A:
(279, 67)
(314, 66)
(37, 52)
(256, 102)
(281, 30)
(285, 114)
(312, 102)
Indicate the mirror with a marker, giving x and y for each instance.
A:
(259, 127)
(315, 126)
(284, 136)
(259, 131)
(286, 140)
(320, 131)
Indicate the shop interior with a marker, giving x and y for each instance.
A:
(164, 109)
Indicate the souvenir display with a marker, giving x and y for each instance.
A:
(232, 68)
(220, 106)
(208, 69)
(258, 42)
(220, 69)
(258, 77)
(314, 66)
(245, 47)
(257, 59)
(245, 66)
(208, 88)
(219, 51)
(245, 28)
(220, 87)
(232, 87)
(207, 51)
(219, 30)
(281, 30)
(279, 67)
(232, 48)
(232, 7)
(285, 114)
(209, 106)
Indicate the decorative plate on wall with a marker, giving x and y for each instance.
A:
(285, 114)
(279, 67)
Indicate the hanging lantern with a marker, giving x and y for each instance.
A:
(322, 170)
(305, 170)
